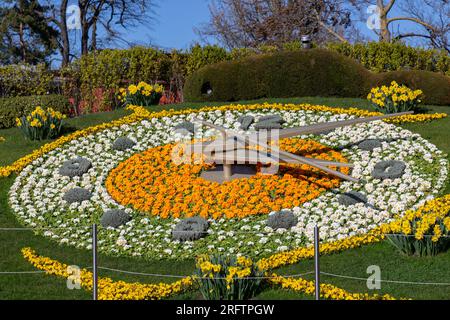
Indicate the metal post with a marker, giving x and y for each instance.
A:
(227, 171)
(94, 262)
(316, 261)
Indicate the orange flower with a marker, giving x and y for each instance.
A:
(150, 182)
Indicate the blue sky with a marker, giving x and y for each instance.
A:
(173, 22)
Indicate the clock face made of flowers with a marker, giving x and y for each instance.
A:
(124, 179)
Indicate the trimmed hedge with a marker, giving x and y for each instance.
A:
(12, 108)
(97, 76)
(383, 56)
(314, 72)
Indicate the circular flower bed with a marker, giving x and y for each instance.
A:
(135, 181)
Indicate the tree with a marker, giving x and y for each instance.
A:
(25, 35)
(430, 17)
(95, 16)
(251, 23)
(109, 15)
(435, 16)
(57, 17)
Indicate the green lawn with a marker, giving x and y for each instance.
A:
(394, 266)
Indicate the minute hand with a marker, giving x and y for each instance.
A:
(319, 127)
(303, 160)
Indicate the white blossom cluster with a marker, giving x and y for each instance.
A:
(36, 195)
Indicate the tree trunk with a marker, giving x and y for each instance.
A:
(22, 43)
(385, 34)
(83, 5)
(84, 37)
(65, 49)
(94, 35)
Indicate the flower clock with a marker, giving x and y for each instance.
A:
(123, 177)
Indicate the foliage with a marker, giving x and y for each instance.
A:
(75, 167)
(383, 56)
(351, 198)
(201, 56)
(394, 98)
(41, 124)
(284, 219)
(16, 107)
(110, 69)
(123, 143)
(425, 231)
(190, 229)
(227, 278)
(142, 94)
(114, 218)
(24, 80)
(314, 72)
(77, 195)
(25, 34)
(251, 23)
(388, 169)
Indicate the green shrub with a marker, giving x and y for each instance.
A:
(109, 69)
(382, 57)
(435, 86)
(12, 108)
(315, 72)
(24, 80)
(202, 56)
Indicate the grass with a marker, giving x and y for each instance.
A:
(354, 262)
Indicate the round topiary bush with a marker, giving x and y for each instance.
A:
(246, 121)
(123, 143)
(284, 219)
(190, 229)
(185, 126)
(315, 72)
(369, 144)
(390, 169)
(77, 195)
(351, 198)
(75, 167)
(114, 218)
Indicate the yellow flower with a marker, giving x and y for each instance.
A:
(132, 89)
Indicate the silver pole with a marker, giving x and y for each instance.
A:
(94, 262)
(316, 261)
